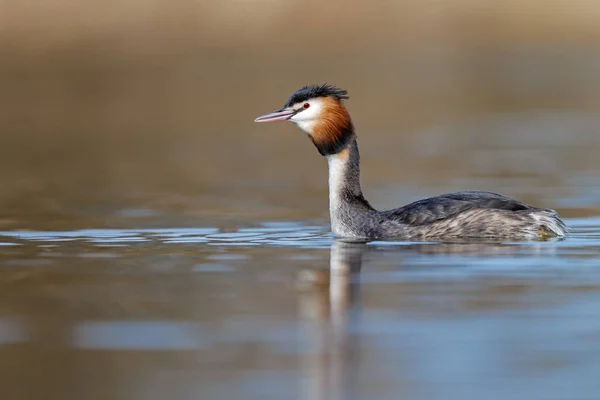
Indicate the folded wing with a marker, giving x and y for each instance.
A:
(437, 208)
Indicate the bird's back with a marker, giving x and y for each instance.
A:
(471, 214)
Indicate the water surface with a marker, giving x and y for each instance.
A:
(255, 313)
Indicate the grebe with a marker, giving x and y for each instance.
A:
(318, 111)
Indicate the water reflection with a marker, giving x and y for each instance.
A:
(330, 306)
(338, 334)
(330, 309)
(224, 310)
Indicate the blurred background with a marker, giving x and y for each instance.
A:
(133, 113)
(152, 235)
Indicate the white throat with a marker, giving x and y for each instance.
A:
(306, 125)
(337, 172)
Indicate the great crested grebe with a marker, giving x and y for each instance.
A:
(318, 111)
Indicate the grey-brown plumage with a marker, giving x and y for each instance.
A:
(471, 214)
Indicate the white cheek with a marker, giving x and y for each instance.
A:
(307, 119)
(305, 115)
(306, 125)
(310, 113)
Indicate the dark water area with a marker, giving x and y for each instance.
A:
(155, 242)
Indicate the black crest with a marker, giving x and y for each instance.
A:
(312, 91)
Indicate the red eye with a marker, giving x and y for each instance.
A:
(306, 105)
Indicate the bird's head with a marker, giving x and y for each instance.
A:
(318, 111)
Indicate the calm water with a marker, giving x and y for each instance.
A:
(156, 243)
(254, 313)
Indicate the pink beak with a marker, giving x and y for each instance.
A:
(279, 115)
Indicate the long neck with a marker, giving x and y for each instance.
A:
(344, 172)
(347, 205)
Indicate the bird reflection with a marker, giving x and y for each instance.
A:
(330, 309)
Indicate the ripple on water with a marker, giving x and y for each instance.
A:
(240, 297)
(586, 235)
(213, 267)
(228, 257)
(141, 335)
